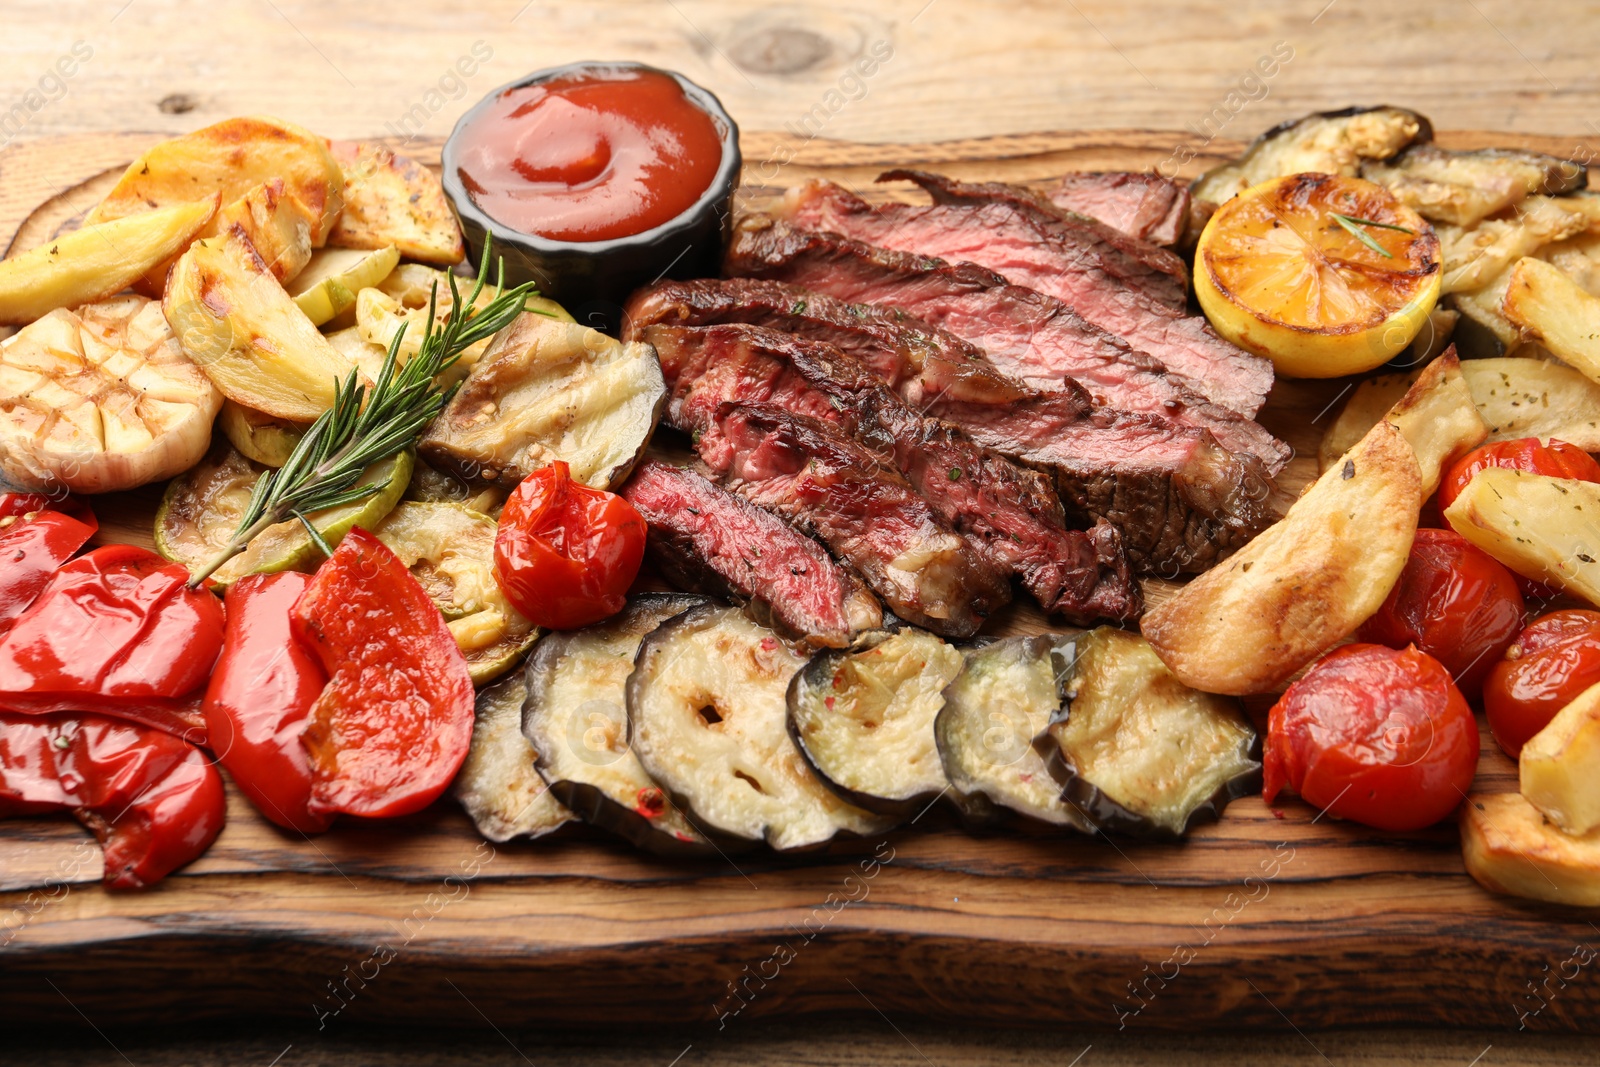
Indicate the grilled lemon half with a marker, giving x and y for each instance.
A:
(1324, 275)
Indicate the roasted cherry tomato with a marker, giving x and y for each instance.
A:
(566, 554)
(117, 622)
(394, 722)
(154, 801)
(1548, 664)
(1373, 735)
(260, 698)
(1557, 459)
(35, 539)
(1453, 601)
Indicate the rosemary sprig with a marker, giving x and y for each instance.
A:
(361, 429)
(1350, 222)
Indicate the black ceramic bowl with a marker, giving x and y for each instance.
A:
(593, 278)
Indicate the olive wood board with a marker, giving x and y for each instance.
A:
(1273, 917)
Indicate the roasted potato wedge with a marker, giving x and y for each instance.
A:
(1331, 142)
(1547, 529)
(1515, 398)
(548, 390)
(1474, 257)
(1464, 188)
(333, 277)
(1553, 308)
(94, 262)
(498, 785)
(231, 158)
(391, 199)
(1305, 583)
(1560, 765)
(235, 321)
(258, 437)
(1510, 847)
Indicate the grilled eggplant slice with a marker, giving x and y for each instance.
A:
(707, 716)
(1464, 188)
(450, 550)
(1139, 752)
(498, 784)
(864, 719)
(576, 718)
(548, 390)
(1331, 142)
(994, 711)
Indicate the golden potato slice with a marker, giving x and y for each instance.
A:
(235, 320)
(1438, 418)
(394, 200)
(1541, 527)
(1553, 308)
(1560, 765)
(276, 224)
(96, 261)
(1515, 397)
(1510, 847)
(231, 158)
(1473, 257)
(1304, 583)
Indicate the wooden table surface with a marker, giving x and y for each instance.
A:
(946, 69)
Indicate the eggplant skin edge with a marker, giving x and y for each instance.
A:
(1107, 816)
(1424, 124)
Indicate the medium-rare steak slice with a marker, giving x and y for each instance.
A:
(838, 490)
(1013, 236)
(1181, 500)
(1146, 206)
(1010, 514)
(707, 540)
(1026, 333)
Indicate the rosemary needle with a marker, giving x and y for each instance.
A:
(363, 428)
(1350, 222)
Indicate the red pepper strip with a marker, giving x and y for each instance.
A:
(155, 802)
(393, 725)
(33, 544)
(75, 506)
(118, 621)
(260, 697)
(180, 717)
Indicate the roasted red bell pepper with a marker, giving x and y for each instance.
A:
(154, 801)
(118, 621)
(393, 725)
(35, 539)
(260, 697)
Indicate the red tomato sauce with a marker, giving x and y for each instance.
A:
(590, 157)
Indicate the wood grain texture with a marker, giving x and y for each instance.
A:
(1270, 918)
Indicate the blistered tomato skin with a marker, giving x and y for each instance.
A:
(566, 554)
(1374, 735)
(1456, 603)
(1557, 460)
(1547, 666)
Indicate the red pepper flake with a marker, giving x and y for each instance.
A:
(651, 803)
(1276, 814)
(829, 702)
(768, 644)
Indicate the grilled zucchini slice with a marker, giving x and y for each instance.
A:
(864, 719)
(498, 784)
(575, 716)
(707, 716)
(1139, 752)
(994, 711)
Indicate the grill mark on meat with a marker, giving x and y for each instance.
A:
(1025, 333)
(707, 540)
(1014, 238)
(1179, 500)
(1009, 514)
(833, 488)
(1144, 206)
(1140, 265)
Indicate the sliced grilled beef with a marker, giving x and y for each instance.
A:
(1140, 265)
(1146, 206)
(836, 489)
(921, 362)
(1026, 333)
(1009, 514)
(707, 540)
(1011, 233)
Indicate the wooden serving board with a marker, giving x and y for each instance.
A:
(1269, 918)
